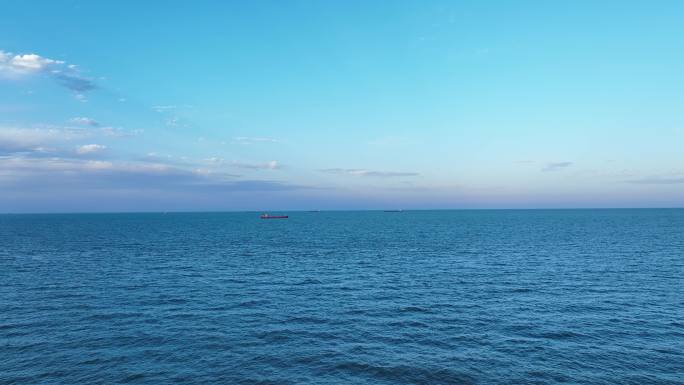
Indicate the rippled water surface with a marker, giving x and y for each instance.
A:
(432, 297)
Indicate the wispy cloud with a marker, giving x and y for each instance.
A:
(20, 66)
(253, 140)
(174, 115)
(82, 121)
(368, 173)
(172, 107)
(53, 139)
(35, 174)
(35, 153)
(119, 132)
(90, 149)
(658, 180)
(173, 121)
(164, 108)
(14, 140)
(556, 166)
(272, 165)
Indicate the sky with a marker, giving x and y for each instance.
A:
(299, 105)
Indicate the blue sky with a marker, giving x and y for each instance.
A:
(217, 105)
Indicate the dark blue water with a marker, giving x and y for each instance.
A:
(434, 297)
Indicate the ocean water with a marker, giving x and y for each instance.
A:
(416, 297)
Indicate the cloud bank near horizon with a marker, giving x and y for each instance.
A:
(368, 173)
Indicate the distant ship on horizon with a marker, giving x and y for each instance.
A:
(267, 216)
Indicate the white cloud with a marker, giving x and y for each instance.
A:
(174, 115)
(173, 121)
(214, 160)
(23, 65)
(172, 107)
(82, 121)
(90, 148)
(119, 133)
(252, 140)
(368, 173)
(19, 170)
(164, 108)
(32, 139)
(31, 63)
(272, 165)
(21, 165)
(43, 139)
(14, 66)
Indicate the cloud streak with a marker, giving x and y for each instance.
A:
(556, 166)
(253, 140)
(272, 165)
(164, 108)
(14, 140)
(368, 173)
(90, 149)
(52, 139)
(22, 173)
(82, 121)
(658, 180)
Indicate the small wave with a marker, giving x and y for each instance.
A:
(404, 374)
(307, 320)
(275, 336)
(548, 376)
(254, 381)
(309, 281)
(410, 324)
(133, 377)
(349, 288)
(560, 335)
(251, 303)
(163, 301)
(111, 316)
(414, 309)
(521, 290)
(94, 361)
(9, 326)
(356, 312)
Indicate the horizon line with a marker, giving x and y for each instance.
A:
(331, 210)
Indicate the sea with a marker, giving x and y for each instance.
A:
(344, 297)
